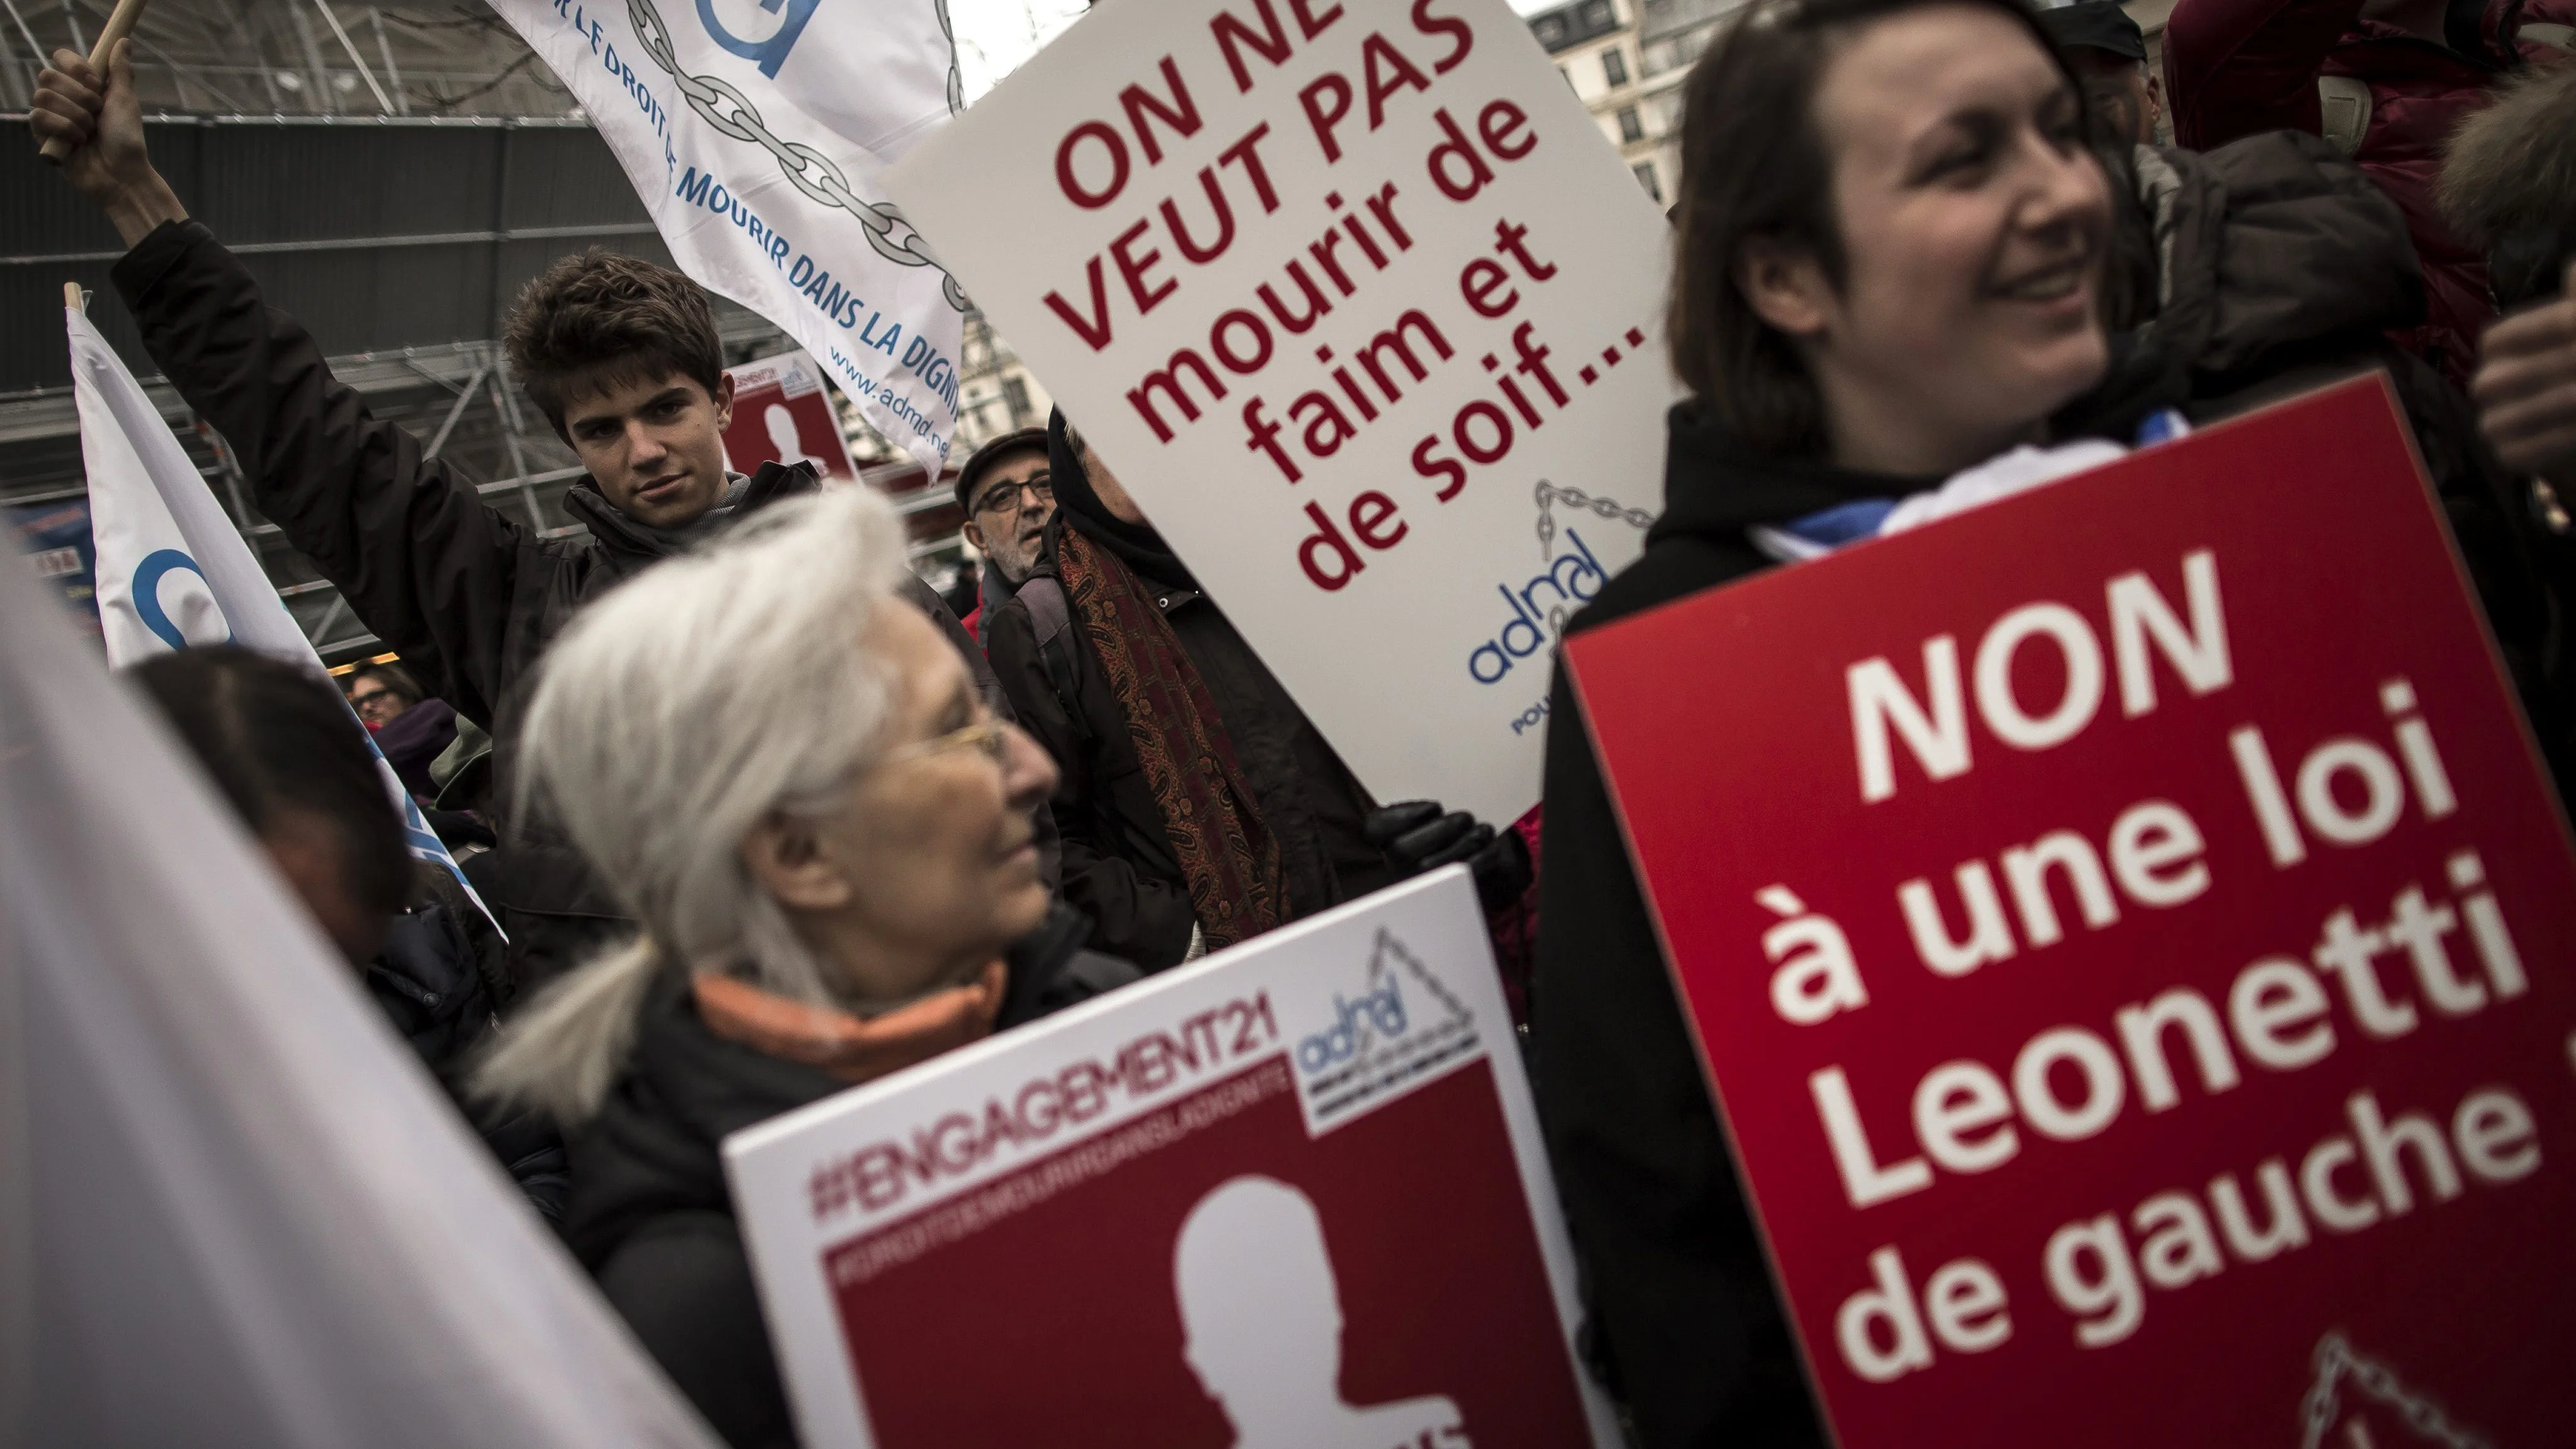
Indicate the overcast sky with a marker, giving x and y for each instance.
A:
(995, 36)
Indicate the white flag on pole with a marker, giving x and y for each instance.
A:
(172, 571)
(233, 1207)
(755, 131)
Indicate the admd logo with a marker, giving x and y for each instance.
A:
(170, 597)
(1399, 1029)
(770, 51)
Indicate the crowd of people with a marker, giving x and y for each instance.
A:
(763, 816)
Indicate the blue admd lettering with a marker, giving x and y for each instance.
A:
(1574, 577)
(768, 54)
(147, 595)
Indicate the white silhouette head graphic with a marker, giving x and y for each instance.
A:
(782, 435)
(1261, 1315)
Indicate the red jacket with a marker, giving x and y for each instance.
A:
(2235, 67)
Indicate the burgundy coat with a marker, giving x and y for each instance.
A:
(2236, 67)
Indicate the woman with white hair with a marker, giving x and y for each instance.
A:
(785, 773)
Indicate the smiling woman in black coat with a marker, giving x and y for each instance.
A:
(1936, 300)
(1899, 284)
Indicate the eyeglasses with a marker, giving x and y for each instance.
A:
(1008, 497)
(991, 734)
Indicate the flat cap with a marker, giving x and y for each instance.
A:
(985, 456)
(2096, 25)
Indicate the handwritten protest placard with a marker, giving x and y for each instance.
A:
(1290, 1195)
(2130, 946)
(1358, 304)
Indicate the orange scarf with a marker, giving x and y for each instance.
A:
(853, 1048)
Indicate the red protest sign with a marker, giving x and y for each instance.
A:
(783, 414)
(1290, 1195)
(2126, 927)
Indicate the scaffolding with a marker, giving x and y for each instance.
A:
(391, 174)
(296, 58)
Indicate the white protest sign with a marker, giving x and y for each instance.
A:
(1296, 1189)
(756, 132)
(1358, 304)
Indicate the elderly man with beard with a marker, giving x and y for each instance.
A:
(1008, 494)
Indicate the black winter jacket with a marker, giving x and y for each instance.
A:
(468, 594)
(1682, 1312)
(650, 1214)
(441, 979)
(2284, 267)
(1119, 865)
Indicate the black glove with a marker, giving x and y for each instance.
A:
(457, 829)
(1417, 835)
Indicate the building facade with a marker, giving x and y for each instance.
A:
(1626, 60)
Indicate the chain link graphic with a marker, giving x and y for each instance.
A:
(1550, 494)
(956, 80)
(2335, 1362)
(811, 172)
(1389, 944)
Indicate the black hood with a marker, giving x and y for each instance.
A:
(633, 544)
(1716, 486)
(1137, 544)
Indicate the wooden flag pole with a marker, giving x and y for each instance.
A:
(73, 297)
(120, 24)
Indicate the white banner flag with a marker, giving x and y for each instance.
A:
(233, 1207)
(755, 131)
(172, 570)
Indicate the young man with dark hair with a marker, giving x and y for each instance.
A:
(621, 355)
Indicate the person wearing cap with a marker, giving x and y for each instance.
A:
(1198, 805)
(2108, 52)
(1008, 496)
(2387, 81)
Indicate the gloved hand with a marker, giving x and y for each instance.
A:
(1418, 835)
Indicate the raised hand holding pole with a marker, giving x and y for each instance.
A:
(120, 24)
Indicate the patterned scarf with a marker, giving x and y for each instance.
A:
(855, 1049)
(1229, 858)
